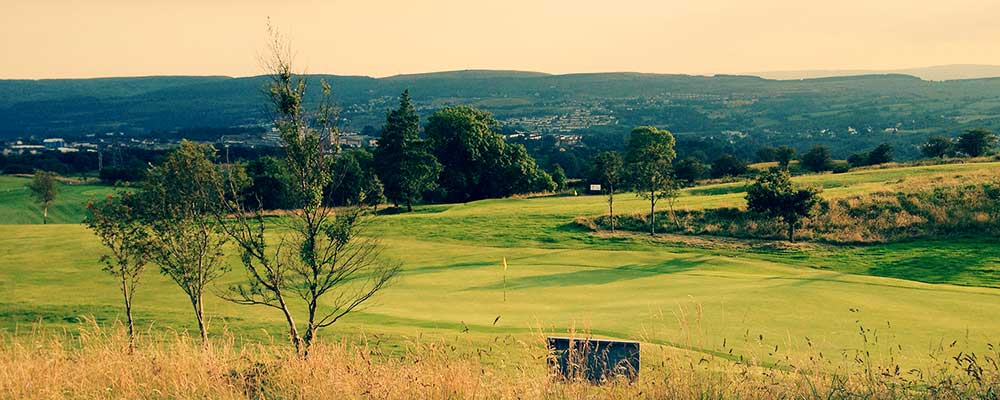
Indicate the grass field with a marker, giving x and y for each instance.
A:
(19, 208)
(917, 296)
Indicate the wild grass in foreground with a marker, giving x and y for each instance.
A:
(96, 363)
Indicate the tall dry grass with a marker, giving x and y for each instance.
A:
(96, 363)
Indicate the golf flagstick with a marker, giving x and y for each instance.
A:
(505, 279)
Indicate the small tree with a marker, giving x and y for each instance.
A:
(608, 173)
(767, 154)
(354, 181)
(559, 177)
(374, 193)
(116, 222)
(858, 159)
(179, 200)
(728, 165)
(976, 142)
(881, 154)
(773, 194)
(324, 258)
(784, 155)
(44, 189)
(937, 147)
(817, 159)
(650, 154)
(689, 170)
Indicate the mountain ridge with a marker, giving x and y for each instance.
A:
(931, 73)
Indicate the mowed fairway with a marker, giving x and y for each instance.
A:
(562, 277)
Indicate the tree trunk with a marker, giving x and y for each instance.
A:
(308, 341)
(310, 335)
(791, 232)
(196, 302)
(652, 214)
(293, 332)
(128, 313)
(409, 207)
(611, 207)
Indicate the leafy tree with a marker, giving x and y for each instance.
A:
(767, 154)
(784, 155)
(859, 159)
(559, 177)
(937, 146)
(117, 223)
(608, 172)
(881, 154)
(406, 168)
(353, 180)
(976, 142)
(477, 162)
(130, 173)
(774, 195)
(728, 165)
(374, 193)
(268, 186)
(689, 170)
(44, 189)
(817, 159)
(329, 264)
(649, 158)
(179, 200)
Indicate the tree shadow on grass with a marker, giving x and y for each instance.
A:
(961, 268)
(598, 275)
(26, 314)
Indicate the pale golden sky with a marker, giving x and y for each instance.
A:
(88, 38)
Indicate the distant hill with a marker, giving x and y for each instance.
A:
(468, 74)
(935, 73)
(849, 113)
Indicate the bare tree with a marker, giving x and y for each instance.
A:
(322, 257)
(115, 221)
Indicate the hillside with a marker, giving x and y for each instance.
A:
(934, 73)
(848, 112)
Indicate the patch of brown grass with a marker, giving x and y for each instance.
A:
(95, 363)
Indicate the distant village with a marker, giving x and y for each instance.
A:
(114, 140)
(562, 129)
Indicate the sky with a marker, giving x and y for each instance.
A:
(96, 38)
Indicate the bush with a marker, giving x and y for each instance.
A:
(728, 165)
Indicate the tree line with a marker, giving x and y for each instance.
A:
(460, 156)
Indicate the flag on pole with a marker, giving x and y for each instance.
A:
(504, 279)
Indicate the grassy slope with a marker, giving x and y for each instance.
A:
(17, 207)
(561, 277)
